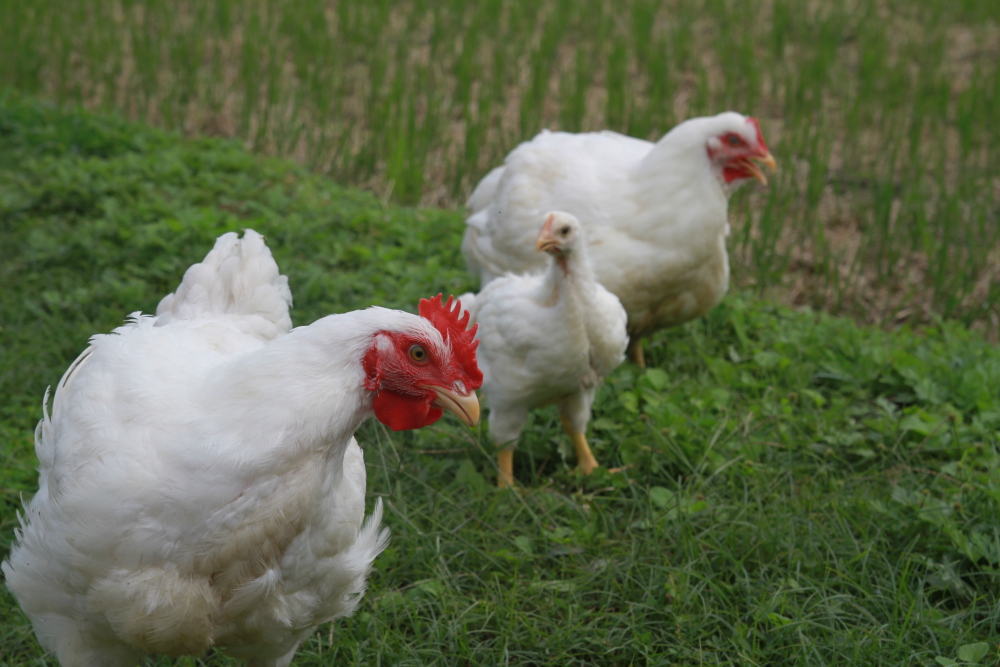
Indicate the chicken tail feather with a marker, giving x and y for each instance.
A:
(238, 279)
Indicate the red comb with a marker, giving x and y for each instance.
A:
(448, 319)
(760, 135)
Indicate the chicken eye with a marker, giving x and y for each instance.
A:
(418, 353)
(733, 140)
(564, 231)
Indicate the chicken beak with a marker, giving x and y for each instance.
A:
(465, 407)
(767, 160)
(546, 241)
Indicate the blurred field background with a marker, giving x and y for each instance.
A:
(883, 114)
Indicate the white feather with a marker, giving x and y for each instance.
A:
(655, 215)
(547, 338)
(199, 480)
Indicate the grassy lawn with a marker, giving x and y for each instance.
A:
(802, 490)
(881, 113)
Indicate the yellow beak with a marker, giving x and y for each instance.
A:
(768, 161)
(465, 407)
(546, 240)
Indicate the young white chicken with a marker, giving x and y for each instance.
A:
(656, 215)
(200, 484)
(547, 338)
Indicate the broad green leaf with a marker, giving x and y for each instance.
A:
(973, 652)
(661, 497)
(658, 378)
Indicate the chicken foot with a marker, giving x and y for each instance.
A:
(585, 461)
(635, 352)
(505, 461)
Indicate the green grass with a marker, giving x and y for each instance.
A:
(802, 490)
(882, 113)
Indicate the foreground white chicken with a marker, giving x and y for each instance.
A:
(655, 214)
(199, 481)
(547, 338)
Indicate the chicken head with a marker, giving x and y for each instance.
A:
(416, 374)
(559, 233)
(738, 149)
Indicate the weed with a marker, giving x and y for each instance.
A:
(802, 490)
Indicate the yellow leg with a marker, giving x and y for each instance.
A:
(505, 460)
(585, 461)
(636, 353)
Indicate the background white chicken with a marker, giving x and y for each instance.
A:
(199, 482)
(655, 214)
(547, 338)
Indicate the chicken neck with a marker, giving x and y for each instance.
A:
(322, 401)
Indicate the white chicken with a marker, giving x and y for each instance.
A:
(200, 484)
(547, 338)
(655, 214)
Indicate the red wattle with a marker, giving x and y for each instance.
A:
(401, 412)
(732, 174)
